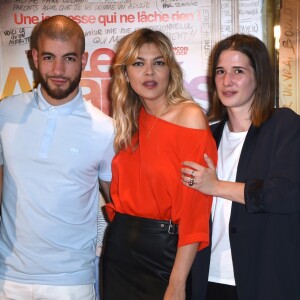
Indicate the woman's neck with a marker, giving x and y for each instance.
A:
(157, 110)
(238, 122)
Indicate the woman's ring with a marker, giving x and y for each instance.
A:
(191, 183)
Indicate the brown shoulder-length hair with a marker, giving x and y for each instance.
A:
(263, 102)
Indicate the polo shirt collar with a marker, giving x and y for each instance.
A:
(64, 109)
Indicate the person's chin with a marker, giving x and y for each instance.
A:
(59, 92)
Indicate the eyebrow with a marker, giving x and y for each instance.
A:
(234, 67)
(155, 58)
(65, 55)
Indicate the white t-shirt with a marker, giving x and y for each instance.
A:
(221, 268)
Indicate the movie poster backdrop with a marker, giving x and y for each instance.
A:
(193, 27)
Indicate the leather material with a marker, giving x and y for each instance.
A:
(138, 258)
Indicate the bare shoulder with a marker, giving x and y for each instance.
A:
(189, 115)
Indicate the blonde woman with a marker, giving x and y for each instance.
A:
(158, 224)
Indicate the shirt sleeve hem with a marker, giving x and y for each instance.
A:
(201, 238)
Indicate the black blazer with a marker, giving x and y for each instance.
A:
(265, 233)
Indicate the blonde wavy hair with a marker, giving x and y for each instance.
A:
(126, 104)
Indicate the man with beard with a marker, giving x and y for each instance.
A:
(54, 149)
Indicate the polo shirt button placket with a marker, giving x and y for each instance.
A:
(48, 132)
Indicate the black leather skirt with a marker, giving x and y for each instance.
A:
(138, 257)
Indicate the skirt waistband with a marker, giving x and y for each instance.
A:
(147, 223)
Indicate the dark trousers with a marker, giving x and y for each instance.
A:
(217, 291)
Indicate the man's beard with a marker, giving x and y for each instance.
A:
(59, 93)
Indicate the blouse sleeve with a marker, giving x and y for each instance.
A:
(192, 208)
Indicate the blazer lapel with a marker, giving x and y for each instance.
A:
(217, 131)
(247, 150)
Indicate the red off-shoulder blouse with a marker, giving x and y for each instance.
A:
(146, 182)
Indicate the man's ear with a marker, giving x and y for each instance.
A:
(84, 59)
(35, 57)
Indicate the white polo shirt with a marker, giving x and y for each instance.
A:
(52, 157)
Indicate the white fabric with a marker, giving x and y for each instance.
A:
(221, 269)
(101, 225)
(10, 290)
(53, 157)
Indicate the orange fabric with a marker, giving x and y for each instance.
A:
(147, 182)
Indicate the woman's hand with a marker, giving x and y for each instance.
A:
(205, 179)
